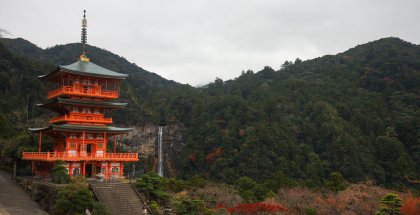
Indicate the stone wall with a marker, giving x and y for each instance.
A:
(42, 192)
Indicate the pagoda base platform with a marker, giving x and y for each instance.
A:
(89, 169)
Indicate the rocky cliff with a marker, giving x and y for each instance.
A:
(144, 140)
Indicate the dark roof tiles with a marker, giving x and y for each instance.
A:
(88, 69)
(88, 128)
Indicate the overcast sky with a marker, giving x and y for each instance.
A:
(195, 41)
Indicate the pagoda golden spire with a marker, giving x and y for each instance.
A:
(83, 56)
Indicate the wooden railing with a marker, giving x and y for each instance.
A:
(80, 91)
(52, 156)
(81, 119)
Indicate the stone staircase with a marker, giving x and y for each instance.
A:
(120, 198)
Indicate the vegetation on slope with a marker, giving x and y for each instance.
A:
(355, 113)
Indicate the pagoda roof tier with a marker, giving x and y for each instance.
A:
(85, 68)
(61, 101)
(80, 128)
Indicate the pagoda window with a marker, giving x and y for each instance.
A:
(89, 136)
(96, 111)
(67, 81)
(104, 85)
(84, 110)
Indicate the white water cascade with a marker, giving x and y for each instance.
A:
(160, 153)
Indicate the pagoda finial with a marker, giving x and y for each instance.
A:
(83, 56)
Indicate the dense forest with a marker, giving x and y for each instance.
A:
(355, 113)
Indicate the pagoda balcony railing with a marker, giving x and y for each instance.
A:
(79, 156)
(81, 91)
(81, 119)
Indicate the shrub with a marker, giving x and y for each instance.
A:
(213, 194)
(336, 182)
(190, 207)
(173, 184)
(59, 173)
(73, 199)
(153, 186)
(197, 182)
(256, 208)
(391, 204)
(245, 183)
(356, 199)
(411, 206)
(155, 207)
(310, 211)
(100, 209)
(250, 190)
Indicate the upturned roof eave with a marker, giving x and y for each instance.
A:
(76, 68)
(83, 102)
(109, 129)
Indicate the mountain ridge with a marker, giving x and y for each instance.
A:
(67, 53)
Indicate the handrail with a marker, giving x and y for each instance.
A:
(95, 193)
(51, 156)
(80, 91)
(145, 203)
(80, 119)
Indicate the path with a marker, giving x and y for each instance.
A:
(14, 200)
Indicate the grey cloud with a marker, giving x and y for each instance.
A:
(195, 41)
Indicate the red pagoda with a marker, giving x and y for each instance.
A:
(80, 95)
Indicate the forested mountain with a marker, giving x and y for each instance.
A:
(355, 113)
(18, 86)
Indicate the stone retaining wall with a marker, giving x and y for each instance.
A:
(44, 193)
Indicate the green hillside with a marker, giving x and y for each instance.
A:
(19, 90)
(355, 113)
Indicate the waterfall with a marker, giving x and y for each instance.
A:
(160, 153)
